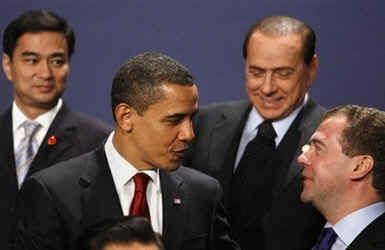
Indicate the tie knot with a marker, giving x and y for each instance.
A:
(30, 127)
(265, 129)
(327, 239)
(141, 180)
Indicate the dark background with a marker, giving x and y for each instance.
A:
(207, 37)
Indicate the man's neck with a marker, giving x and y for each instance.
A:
(33, 112)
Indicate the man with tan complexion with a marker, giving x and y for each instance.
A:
(38, 129)
(232, 138)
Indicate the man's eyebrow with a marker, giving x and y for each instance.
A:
(58, 54)
(317, 142)
(29, 53)
(252, 67)
(176, 115)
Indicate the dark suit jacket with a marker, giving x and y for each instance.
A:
(285, 224)
(372, 237)
(58, 203)
(76, 134)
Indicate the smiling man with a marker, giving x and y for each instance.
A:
(343, 176)
(37, 47)
(251, 146)
(136, 172)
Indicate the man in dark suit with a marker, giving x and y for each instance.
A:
(37, 47)
(262, 186)
(135, 172)
(343, 177)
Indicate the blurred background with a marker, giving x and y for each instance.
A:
(207, 37)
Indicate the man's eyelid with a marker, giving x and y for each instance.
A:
(285, 70)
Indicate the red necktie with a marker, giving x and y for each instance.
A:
(139, 204)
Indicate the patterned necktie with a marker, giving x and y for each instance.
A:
(139, 204)
(327, 239)
(26, 150)
(266, 131)
(253, 167)
(265, 139)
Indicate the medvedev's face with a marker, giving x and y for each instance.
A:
(326, 167)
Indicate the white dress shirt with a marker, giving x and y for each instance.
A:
(254, 120)
(44, 120)
(349, 227)
(122, 174)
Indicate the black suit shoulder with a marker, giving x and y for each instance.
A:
(195, 177)
(372, 237)
(89, 131)
(64, 172)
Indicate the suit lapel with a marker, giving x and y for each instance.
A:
(7, 156)
(63, 129)
(310, 119)
(174, 200)
(100, 199)
(224, 144)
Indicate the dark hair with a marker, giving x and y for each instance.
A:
(364, 135)
(138, 81)
(282, 26)
(34, 21)
(124, 230)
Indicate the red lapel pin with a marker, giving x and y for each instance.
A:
(177, 201)
(52, 140)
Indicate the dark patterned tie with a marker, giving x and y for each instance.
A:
(327, 239)
(139, 204)
(265, 138)
(254, 167)
(26, 150)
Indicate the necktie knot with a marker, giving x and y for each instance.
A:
(327, 239)
(30, 128)
(266, 130)
(141, 180)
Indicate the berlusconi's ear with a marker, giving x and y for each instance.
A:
(364, 165)
(313, 69)
(124, 117)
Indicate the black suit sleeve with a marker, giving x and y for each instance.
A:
(38, 225)
(220, 231)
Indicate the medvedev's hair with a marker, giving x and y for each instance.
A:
(365, 135)
(282, 26)
(124, 231)
(138, 82)
(35, 21)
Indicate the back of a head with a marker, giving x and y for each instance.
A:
(120, 231)
(283, 26)
(35, 21)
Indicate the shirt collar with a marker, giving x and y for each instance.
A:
(45, 119)
(122, 171)
(349, 227)
(280, 126)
